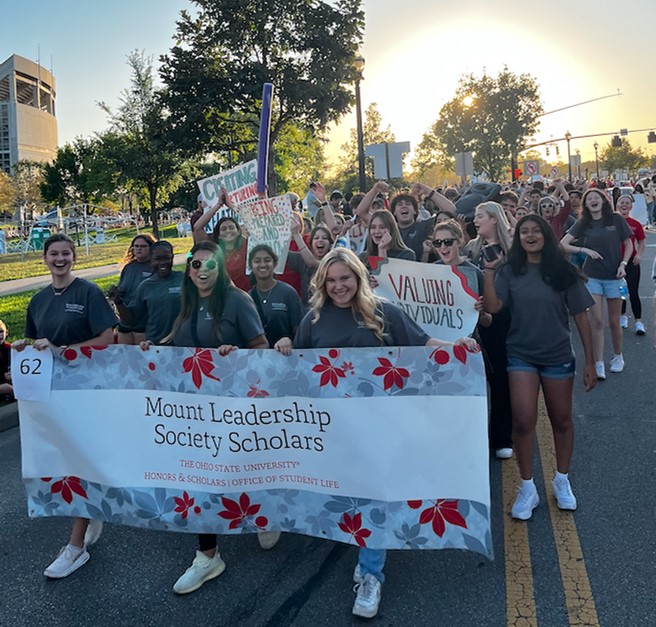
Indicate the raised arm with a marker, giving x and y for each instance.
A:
(379, 187)
(441, 201)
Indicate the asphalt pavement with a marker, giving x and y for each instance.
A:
(307, 581)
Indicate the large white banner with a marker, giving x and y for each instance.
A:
(439, 298)
(377, 447)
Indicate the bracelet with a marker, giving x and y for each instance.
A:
(623, 263)
(324, 204)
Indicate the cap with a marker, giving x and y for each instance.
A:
(336, 194)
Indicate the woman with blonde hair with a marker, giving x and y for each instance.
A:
(344, 312)
(493, 241)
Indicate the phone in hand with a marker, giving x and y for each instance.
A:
(491, 252)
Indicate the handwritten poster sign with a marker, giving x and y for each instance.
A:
(440, 299)
(241, 183)
(198, 442)
(268, 221)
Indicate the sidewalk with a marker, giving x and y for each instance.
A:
(38, 282)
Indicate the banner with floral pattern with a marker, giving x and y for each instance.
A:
(400, 377)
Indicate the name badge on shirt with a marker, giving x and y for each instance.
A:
(31, 374)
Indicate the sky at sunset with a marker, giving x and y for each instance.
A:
(415, 52)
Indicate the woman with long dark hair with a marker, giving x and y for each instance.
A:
(71, 312)
(345, 312)
(384, 238)
(606, 239)
(278, 304)
(227, 234)
(542, 289)
(213, 314)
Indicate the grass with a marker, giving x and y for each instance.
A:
(16, 266)
(13, 308)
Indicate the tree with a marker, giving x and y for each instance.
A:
(7, 193)
(492, 117)
(224, 54)
(140, 143)
(623, 157)
(298, 158)
(80, 173)
(26, 181)
(373, 132)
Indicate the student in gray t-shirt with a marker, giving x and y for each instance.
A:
(156, 302)
(213, 313)
(542, 289)
(345, 312)
(136, 269)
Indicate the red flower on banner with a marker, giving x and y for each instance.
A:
(70, 354)
(353, 526)
(200, 364)
(440, 513)
(237, 512)
(46, 479)
(68, 486)
(414, 504)
(255, 392)
(440, 356)
(87, 350)
(184, 504)
(460, 353)
(329, 372)
(348, 366)
(393, 376)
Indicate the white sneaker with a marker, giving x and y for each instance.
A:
(617, 363)
(624, 322)
(601, 370)
(527, 500)
(368, 597)
(92, 534)
(67, 562)
(202, 569)
(563, 493)
(640, 328)
(268, 539)
(504, 453)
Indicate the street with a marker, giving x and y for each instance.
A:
(597, 566)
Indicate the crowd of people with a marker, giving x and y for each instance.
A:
(537, 257)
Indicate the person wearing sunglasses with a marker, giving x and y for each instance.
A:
(557, 216)
(214, 313)
(447, 242)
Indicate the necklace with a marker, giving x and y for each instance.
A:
(58, 291)
(264, 296)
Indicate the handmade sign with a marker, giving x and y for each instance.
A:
(439, 298)
(384, 448)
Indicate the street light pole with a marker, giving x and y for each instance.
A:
(359, 67)
(568, 136)
(596, 147)
(578, 163)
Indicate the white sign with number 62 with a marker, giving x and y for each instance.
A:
(31, 374)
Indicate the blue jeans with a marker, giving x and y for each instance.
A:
(371, 562)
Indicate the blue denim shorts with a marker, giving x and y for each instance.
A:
(565, 371)
(610, 288)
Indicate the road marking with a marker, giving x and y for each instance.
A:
(520, 597)
(579, 601)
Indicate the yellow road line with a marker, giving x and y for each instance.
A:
(520, 597)
(579, 601)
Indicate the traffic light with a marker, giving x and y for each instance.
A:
(557, 151)
(616, 142)
(651, 138)
(547, 151)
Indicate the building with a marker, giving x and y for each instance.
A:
(28, 126)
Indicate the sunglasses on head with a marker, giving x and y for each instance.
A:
(196, 264)
(438, 243)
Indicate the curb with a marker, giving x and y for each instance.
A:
(8, 416)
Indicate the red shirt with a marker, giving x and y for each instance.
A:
(638, 234)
